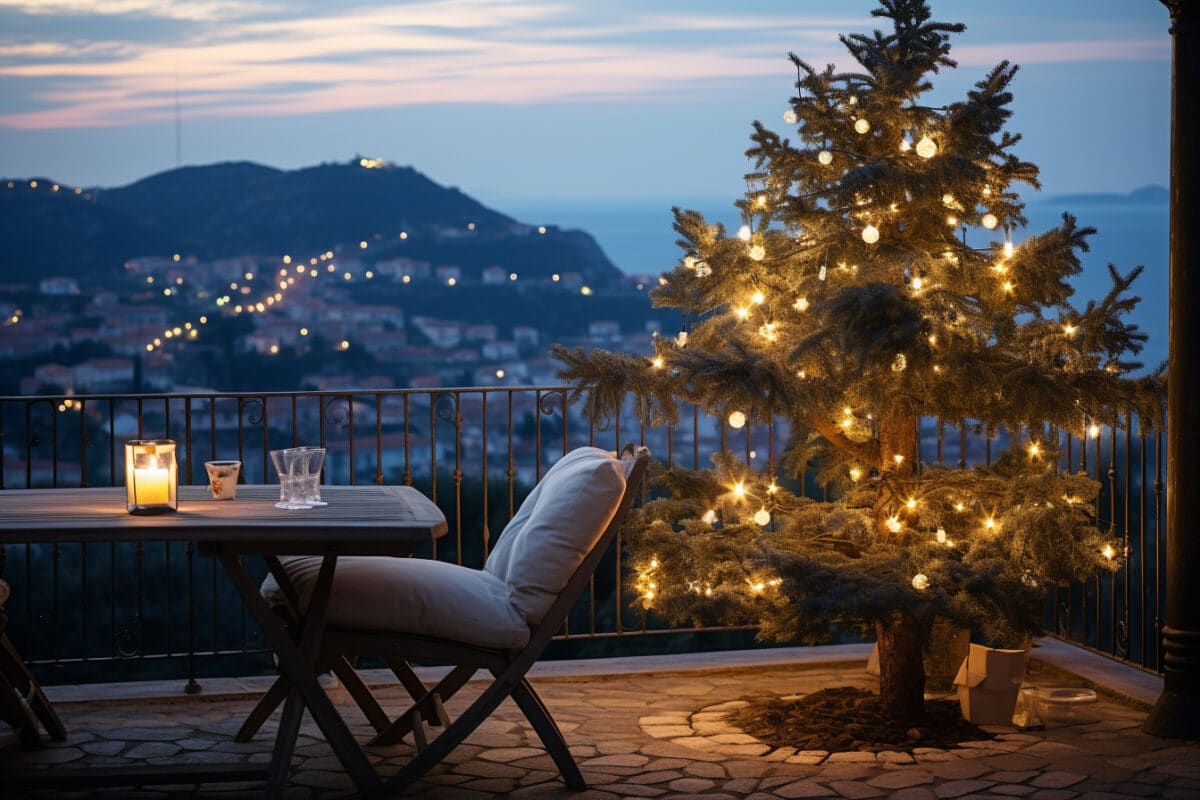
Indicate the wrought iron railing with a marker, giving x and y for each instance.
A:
(154, 610)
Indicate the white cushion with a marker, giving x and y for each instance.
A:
(557, 525)
(411, 595)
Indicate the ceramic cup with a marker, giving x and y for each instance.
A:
(223, 478)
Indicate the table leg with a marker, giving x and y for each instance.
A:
(298, 666)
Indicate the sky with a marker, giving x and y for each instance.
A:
(547, 99)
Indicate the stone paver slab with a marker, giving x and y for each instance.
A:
(1057, 779)
(960, 788)
(856, 790)
(806, 788)
(901, 779)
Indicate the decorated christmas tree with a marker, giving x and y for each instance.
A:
(874, 284)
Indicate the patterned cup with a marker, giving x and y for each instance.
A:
(223, 478)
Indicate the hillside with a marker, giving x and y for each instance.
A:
(236, 208)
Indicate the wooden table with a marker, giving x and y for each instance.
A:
(359, 520)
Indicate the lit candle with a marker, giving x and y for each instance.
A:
(152, 485)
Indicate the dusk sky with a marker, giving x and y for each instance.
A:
(512, 99)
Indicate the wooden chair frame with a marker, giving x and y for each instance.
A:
(23, 704)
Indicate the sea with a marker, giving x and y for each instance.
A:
(637, 236)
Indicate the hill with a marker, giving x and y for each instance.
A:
(1147, 195)
(236, 208)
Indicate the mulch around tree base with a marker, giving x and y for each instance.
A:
(846, 718)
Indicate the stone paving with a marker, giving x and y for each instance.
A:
(657, 735)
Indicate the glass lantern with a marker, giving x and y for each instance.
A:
(151, 476)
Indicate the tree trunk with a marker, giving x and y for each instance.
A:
(898, 437)
(901, 668)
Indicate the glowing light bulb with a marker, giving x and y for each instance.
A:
(801, 304)
(758, 298)
(742, 313)
(709, 517)
(905, 146)
(917, 283)
(1069, 329)
(948, 200)
(744, 233)
(940, 535)
(1094, 431)
(762, 517)
(989, 221)
(822, 272)
(654, 563)
(760, 201)
(926, 148)
(960, 507)
(893, 524)
(1008, 248)
(1008, 287)
(855, 474)
(737, 420)
(920, 582)
(952, 220)
(790, 117)
(658, 362)
(739, 490)
(861, 125)
(1035, 450)
(899, 459)
(911, 503)
(825, 157)
(772, 489)
(1109, 552)
(870, 234)
(990, 523)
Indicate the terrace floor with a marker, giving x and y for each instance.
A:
(649, 727)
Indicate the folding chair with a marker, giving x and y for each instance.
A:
(22, 702)
(500, 618)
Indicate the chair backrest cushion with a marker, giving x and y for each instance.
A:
(555, 528)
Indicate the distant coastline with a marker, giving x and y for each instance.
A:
(1152, 195)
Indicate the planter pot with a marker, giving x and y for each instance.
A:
(988, 682)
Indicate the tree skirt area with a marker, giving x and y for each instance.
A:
(847, 718)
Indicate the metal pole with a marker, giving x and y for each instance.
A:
(1177, 712)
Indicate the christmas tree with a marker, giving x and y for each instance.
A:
(875, 283)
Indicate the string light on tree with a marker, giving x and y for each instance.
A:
(737, 420)
(762, 517)
(825, 157)
(861, 125)
(870, 234)
(926, 147)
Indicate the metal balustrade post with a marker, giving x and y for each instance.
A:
(1177, 712)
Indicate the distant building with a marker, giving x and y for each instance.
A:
(499, 351)
(399, 268)
(104, 374)
(526, 335)
(55, 375)
(484, 332)
(58, 286)
(604, 331)
(440, 333)
(494, 276)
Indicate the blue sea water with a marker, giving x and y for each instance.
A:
(638, 237)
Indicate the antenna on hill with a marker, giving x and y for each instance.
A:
(178, 121)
